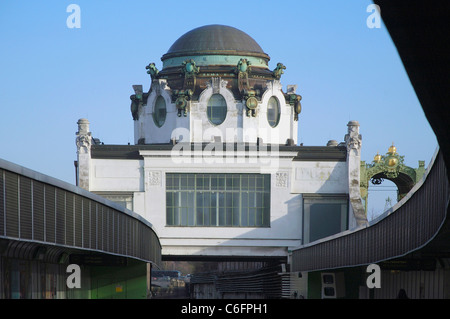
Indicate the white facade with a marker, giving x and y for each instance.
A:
(142, 183)
(313, 191)
(196, 128)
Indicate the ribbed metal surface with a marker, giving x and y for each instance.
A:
(2, 203)
(38, 212)
(11, 198)
(406, 229)
(265, 282)
(43, 214)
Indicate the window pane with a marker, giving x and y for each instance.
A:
(169, 216)
(169, 182)
(169, 199)
(184, 216)
(222, 210)
(199, 182)
(324, 217)
(210, 200)
(213, 209)
(191, 204)
(273, 111)
(214, 182)
(159, 111)
(236, 212)
(244, 182)
(199, 209)
(176, 216)
(216, 109)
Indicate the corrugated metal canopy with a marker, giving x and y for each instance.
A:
(418, 222)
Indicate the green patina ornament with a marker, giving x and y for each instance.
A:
(152, 70)
(251, 103)
(182, 97)
(189, 68)
(389, 166)
(294, 101)
(278, 71)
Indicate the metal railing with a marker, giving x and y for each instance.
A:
(409, 225)
(38, 209)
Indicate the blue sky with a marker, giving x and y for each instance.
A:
(52, 75)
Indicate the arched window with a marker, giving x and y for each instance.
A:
(273, 111)
(217, 109)
(159, 111)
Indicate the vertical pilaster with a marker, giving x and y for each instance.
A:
(83, 142)
(353, 141)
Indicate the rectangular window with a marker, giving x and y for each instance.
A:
(324, 215)
(218, 200)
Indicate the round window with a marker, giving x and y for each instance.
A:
(159, 112)
(273, 111)
(217, 109)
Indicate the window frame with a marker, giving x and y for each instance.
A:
(210, 109)
(229, 209)
(156, 111)
(278, 113)
(341, 199)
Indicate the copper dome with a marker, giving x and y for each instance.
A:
(215, 39)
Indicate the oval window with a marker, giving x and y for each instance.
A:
(159, 112)
(273, 111)
(217, 109)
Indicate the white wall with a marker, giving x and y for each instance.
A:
(319, 177)
(237, 127)
(146, 180)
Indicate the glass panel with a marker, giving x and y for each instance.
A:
(251, 216)
(325, 220)
(191, 205)
(216, 109)
(218, 200)
(184, 182)
(213, 209)
(199, 182)
(324, 217)
(176, 216)
(236, 184)
(236, 212)
(244, 182)
(159, 111)
(251, 182)
(169, 216)
(206, 208)
(199, 209)
(222, 210)
(214, 182)
(184, 218)
(328, 291)
(169, 181)
(273, 111)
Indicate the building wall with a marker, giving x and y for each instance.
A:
(139, 180)
(144, 182)
(196, 127)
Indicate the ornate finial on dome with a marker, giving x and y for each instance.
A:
(392, 149)
(377, 158)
